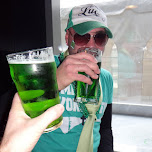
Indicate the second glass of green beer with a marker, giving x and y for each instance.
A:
(89, 93)
(34, 74)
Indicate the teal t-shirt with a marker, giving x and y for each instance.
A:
(66, 138)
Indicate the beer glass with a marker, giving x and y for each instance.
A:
(89, 93)
(34, 74)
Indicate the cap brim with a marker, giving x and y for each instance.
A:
(85, 27)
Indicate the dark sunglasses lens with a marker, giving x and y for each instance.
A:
(101, 39)
(81, 40)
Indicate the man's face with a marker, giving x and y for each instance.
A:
(91, 43)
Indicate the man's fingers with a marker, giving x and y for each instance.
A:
(82, 78)
(75, 61)
(82, 68)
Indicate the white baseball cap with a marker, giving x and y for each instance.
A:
(85, 18)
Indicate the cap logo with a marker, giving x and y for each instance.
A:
(84, 18)
(89, 11)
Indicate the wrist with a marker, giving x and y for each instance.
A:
(3, 148)
(5, 145)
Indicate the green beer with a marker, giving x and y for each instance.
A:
(37, 86)
(89, 93)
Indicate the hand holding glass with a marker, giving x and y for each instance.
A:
(89, 93)
(34, 74)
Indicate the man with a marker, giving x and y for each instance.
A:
(86, 28)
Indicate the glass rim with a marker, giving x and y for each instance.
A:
(32, 50)
(30, 56)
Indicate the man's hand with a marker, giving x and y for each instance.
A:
(67, 72)
(22, 132)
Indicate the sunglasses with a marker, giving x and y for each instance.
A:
(100, 38)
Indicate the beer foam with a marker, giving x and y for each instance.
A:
(97, 53)
(30, 62)
(44, 55)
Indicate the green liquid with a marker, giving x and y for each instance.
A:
(37, 87)
(35, 109)
(88, 93)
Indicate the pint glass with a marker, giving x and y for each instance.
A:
(89, 93)
(34, 74)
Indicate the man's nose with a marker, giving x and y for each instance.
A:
(91, 42)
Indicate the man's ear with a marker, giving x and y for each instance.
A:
(67, 37)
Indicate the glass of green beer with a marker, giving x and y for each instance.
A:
(89, 93)
(34, 74)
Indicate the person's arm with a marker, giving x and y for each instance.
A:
(22, 132)
(106, 141)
